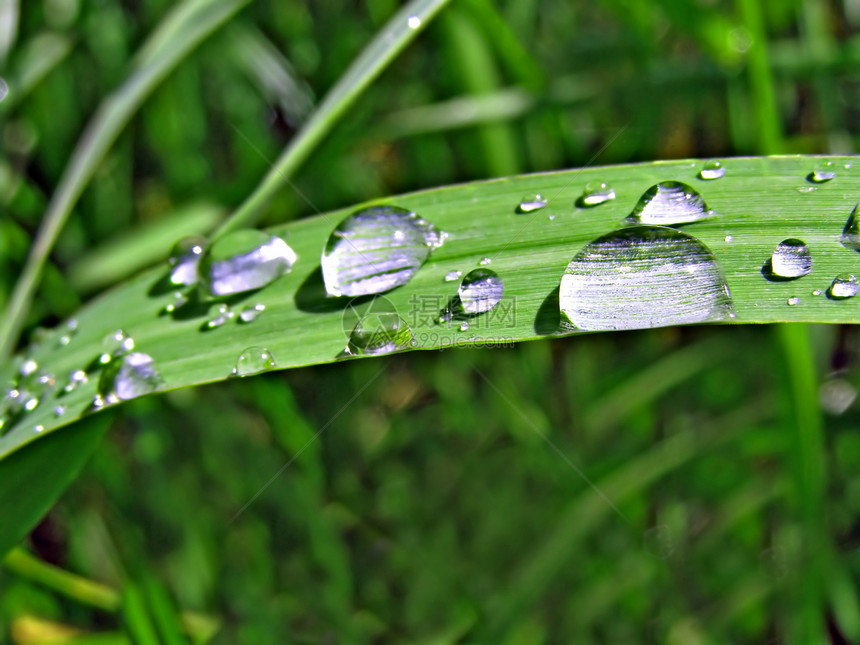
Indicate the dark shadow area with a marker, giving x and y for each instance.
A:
(163, 286)
(312, 297)
(548, 318)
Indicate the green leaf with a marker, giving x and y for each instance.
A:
(758, 203)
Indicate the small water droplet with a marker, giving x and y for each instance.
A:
(38, 428)
(414, 22)
(59, 411)
(594, 194)
(806, 189)
(530, 203)
(128, 377)
(824, 171)
(31, 404)
(669, 203)
(243, 261)
(794, 300)
(379, 331)
(184, 258)
(643, 276)
(451, 276)
(844, 285)
(480, 291)
(791, 259)
(254, 360)
(850, 237)
(76, 378)
(485, 262)
(551, 217)
(179, 300)
(250, 314)
(464, 326)
(118, 343)
(4, 89)
(730, 238)
(99, 402)
(817, 292)
(712, 169)
(28, 367)
(377, 249)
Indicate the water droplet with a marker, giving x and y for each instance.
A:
(376, 249)
(551, 217)
(99, 402)
(453, 275)
(730, 238)
(184, 258)
(844, 285)
(379, 331)
(824, 171)
(817, 292)
(59, 411)
(4, 89)
(128, 377)
(224, 314)
(643, 276)
(480, 291)
(179, 300)
(31, 404)
(485, 262)
(850, 237)
(464, 326)
(712, 169)
(791, 259)
(794, 300)
(414, 22)
(254, 360)
(806, 189)
(244, 260)
(118, 343)
(836, 396)
(250, 314)
(38, 428)
(669, 203)
(531, 203)
(76, 378)
(595, 193)
(71, 328)
(28, 367)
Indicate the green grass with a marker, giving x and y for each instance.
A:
(678, 485)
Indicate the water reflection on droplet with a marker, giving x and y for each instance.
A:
(844, 285)
(451, 276)
(254, 360)
(184, 258)
(532, 202)
(824, 171)
(595, 193)
(793, 300)
(129, 376)
(250, 314)
(669, 203)
(791, 259)
(712, 169)
(480, 291)
(243, 261)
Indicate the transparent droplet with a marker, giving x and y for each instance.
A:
(464, 326)
(643, 276)
(480, 291)
(4, 89)
(805, 190)
(250, 314)
(850, 237)
(836, 396)
(730, 238)
(128, 377)
(816, 292)
(669, 203)
(244, 260)
(179, 300)
(791, 259)
(485, 262)
(844, 285)
(379, 331)
(38, 428)
(31, 404)
(551, 217)
(451, 276)
(376, 249)
(70, 329)
(793, 300)
(824, 171)
(59, 411)
(28, 367)
(118, 343)
(224, 313)
(533, 202)
(712, 169)
(184, 258)
(594, 194)
(414, 22)
(76, 378)
(254, 360)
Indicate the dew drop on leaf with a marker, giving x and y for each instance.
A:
(28, 367)
(485, 262)
(595, 193)
(643, 276)
(806, 190)
(712, 169)
(791, 259)
(532, 202)
(250, 314)
(59, 410)
(451, 276)
(184, 258)
(793, 300)
(823, 172)
(244, 260)
(669, 203)
(379, 332)
(844, 285)
(254, 360)
(480, 291)
(129, 376)
(375, 250)
(38, 428)
(76, 378)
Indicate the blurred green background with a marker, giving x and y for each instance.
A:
(685, 485)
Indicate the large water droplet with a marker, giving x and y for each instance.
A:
(791, 259)
(376, 249)
(532, 202)
(379, 331)
(254, 360)
(850, 237)
(824, 171)
(244, 260)
(128, 377)
(595, 193)
(480, 291)
(643, 276)
(712, 169)
(844, 285)
(669, 203)
(184, 258)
